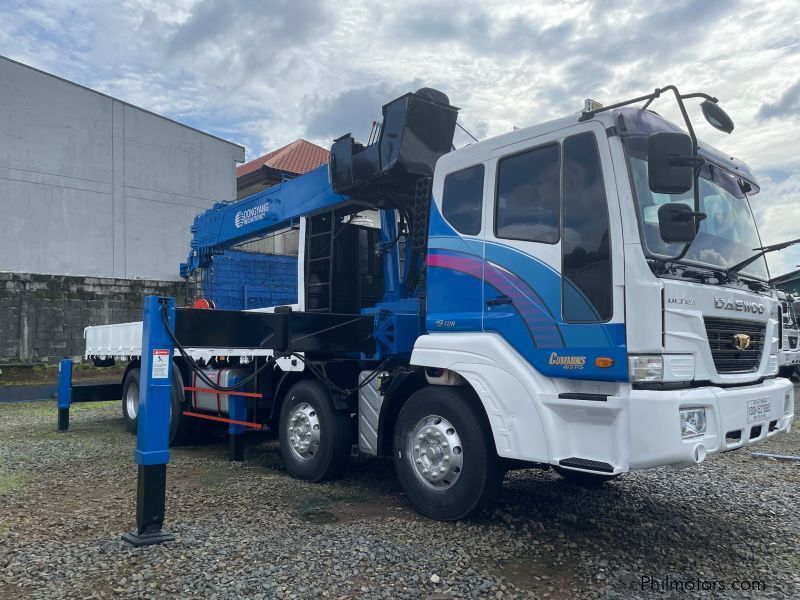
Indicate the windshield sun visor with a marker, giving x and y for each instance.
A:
(636, 125)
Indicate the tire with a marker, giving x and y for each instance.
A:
(315, 438)
(180, 426)
(130, 399)
(584, 479)
(473, 474)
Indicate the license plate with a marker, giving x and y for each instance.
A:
(758, 410)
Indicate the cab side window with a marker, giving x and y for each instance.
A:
(585, 247)
(463, 200)
(528, 199)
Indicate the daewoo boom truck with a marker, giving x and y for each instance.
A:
(589, 294)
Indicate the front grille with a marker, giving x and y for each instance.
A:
(728, 358)
(792, 342)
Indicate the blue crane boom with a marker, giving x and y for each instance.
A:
(267, 211)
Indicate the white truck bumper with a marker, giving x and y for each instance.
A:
(735, 417)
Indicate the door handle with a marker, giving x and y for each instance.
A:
(498, 301)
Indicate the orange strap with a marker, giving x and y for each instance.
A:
(213, 391)
(223, 420)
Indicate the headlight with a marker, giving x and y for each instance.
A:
(693, 422)
(787, 403)
(646, 368)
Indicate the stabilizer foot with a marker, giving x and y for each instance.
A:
(237, 447)
(147, 539)
(63, 419)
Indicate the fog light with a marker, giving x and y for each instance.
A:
(693, 422)
(787, 403)
(646, 368)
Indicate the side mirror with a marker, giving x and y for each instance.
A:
(677, 222)
(716, 117)
(669, 163)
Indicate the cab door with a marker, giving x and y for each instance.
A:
(549, 272)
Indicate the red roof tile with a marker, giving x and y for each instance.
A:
(298, 157)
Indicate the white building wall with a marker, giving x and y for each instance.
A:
(90, 185)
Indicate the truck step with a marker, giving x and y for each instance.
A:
(586, 464)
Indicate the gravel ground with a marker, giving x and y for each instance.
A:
(251, 531)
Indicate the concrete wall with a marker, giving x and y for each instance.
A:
(239, 280)
(90, 185)
(43, 316)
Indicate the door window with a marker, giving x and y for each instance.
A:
(528, 196)
(585, 245)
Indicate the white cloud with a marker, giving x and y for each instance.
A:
(777, 210)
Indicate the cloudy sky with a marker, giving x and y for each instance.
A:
(265, 72)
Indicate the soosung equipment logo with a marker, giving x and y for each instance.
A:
(251, 215)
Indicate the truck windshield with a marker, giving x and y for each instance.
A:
(726, 237)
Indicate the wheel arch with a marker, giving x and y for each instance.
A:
(135, 363)
(511, 393)
(285, 382)
(397, 396)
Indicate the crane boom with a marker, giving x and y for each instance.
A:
(267, 211)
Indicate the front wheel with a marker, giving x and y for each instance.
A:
(444, 454)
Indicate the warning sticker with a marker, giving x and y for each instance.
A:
(160, 364)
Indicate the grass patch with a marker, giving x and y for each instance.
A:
(48, 373)
(49, 407)
(10, 482)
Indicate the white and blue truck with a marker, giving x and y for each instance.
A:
(589, 294)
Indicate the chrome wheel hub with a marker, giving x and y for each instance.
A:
(304, 431)
(132, 400)
(435, 449)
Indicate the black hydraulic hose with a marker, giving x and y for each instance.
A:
(199, 370)
(269, 362)
(332, 386)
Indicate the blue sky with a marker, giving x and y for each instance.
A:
(265, 73)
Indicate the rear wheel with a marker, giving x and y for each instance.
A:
(130, 399)
(315, 438)
(444, 454)
(180, 426)
(584, 479)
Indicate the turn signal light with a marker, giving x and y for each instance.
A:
(603, 362)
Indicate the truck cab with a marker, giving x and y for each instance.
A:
(552, 292)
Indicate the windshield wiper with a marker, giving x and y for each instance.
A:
(759, 252)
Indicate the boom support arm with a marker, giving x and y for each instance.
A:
(270, 210)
